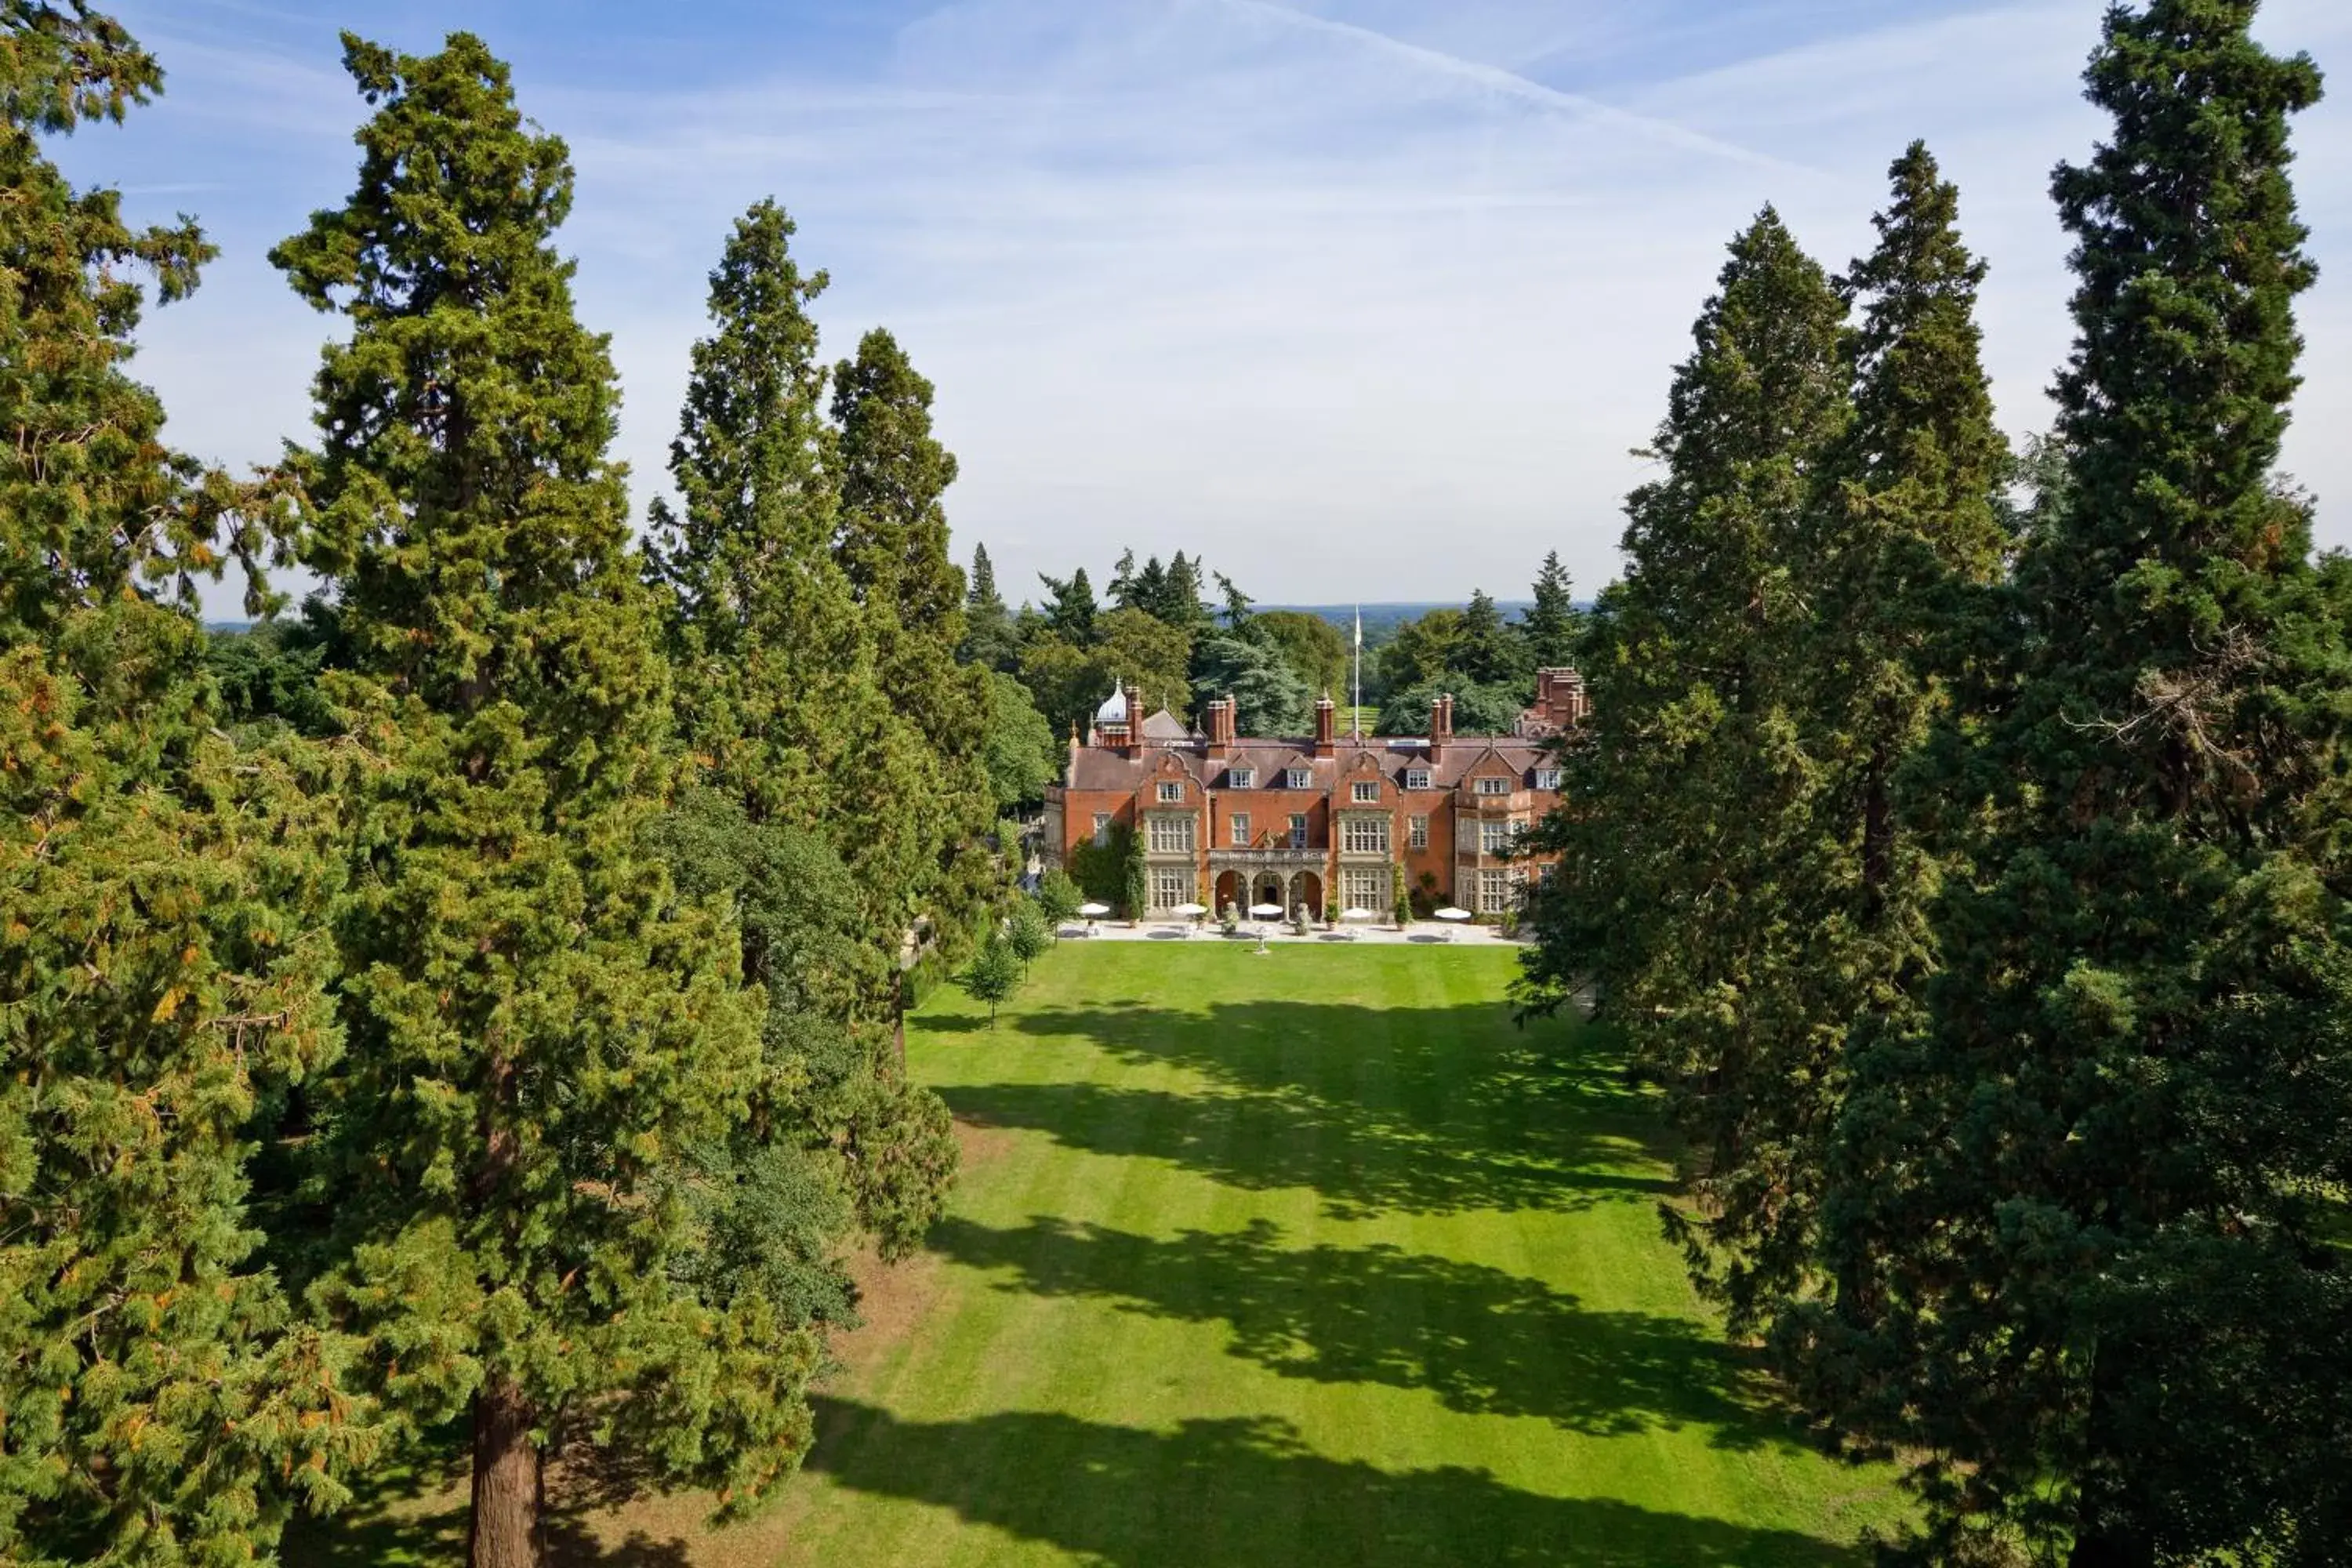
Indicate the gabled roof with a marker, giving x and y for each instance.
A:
(1165, 726)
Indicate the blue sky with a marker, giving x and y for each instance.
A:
(1356, 298)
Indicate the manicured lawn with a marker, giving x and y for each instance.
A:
(1304, 1258)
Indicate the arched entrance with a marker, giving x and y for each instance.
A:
(1266, 889)
(1228, 894)
(1306, 893)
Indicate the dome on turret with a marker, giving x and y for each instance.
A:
(1114, 708)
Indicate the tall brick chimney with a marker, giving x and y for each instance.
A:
(1560, 700)
(1219, 712)
(1441, 725)
(1327, 727)
(1134, 721)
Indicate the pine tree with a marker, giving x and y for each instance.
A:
(1692, 794)
(161, 969)
(539, 1025)
(989, 640)
(2078, 1213)
(1550, 625)
(1070, 611)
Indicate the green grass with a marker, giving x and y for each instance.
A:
(1308, 1257)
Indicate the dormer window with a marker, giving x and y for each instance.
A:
(1367, 793)
(1241, 778)
(1172, 791)
(1416, 778)
(1492, 787)
(1298, 778)
(1548, 778)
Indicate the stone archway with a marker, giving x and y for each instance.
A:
(1266, 889)
(1228, 892)
(1306, 890)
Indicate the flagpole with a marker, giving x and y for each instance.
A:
(1356, 695)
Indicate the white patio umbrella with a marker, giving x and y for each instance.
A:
(1450, 913)
(1094, 911)
(1189, 911)
(1357, 915)
(1267, 911)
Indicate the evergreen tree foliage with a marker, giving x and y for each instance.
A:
(2078, 1212)
(892, 540)
(1268, 697)
(1694, 795)
(989, 639)
(540, 1026)
(268, 674)
(1551, 625)
(1477, 710)
(1070, 608)
(162, 969)
(1487, 650)
(1183, 605)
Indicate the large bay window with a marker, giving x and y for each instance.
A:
(1171, 834)
(1364, 835)
(1171, 886)
(1363, 887)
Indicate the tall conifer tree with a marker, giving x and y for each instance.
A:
(892, 539)
(792, 718)
(1901, 535)
(539, 1025)
(2078, 1213)
(1692, 793)
(160, 892)
(1551, 626)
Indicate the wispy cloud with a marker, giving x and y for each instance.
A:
(1361, 299)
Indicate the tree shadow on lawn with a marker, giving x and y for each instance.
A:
(1483, 1340)
(1416, 1110)
(1243, 1492)
(415, 1510)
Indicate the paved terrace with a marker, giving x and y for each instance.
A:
(1280, 935)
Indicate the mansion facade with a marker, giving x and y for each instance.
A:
(1314, 822)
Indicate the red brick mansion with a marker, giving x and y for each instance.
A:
(1311, 821)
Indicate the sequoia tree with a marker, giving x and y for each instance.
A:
(1692, 795)
(160, 894)
(892, 540)
(2079, 1214)
(539, 1023)
(1902, 534)
(789, 719)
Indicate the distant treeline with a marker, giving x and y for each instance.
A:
(1157, 627)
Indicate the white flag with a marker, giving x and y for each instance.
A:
(1359, 626)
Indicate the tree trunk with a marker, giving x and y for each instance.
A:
(505, 1529)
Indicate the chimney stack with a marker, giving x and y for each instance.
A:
(1134, 721)
(1327, 727)
(1441, 725)
(1219, 715)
